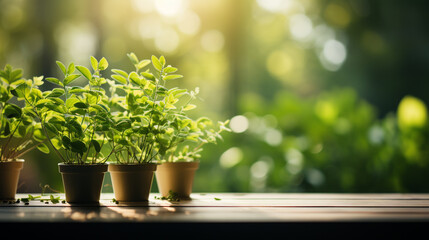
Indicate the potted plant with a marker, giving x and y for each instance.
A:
(175, 174)
(19, 133)
(173, 128)
(75, 120)
(145, 116)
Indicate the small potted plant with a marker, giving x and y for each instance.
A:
(144, 117)
(175, 174)
(75, 120)
(175, 128)
(19, 133)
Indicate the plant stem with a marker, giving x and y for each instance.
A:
(9, 139)
(29, 149)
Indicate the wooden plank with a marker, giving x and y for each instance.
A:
(251, 214)
(230, 207)
(267, 200)
(210, 214)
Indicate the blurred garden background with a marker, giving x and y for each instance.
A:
(323, 95)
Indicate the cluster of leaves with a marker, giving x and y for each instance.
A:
(141, 121)
(19, 132)
(152, 120)
(53, 199)
(172, 197)
(74, 119)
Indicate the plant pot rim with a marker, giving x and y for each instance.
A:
(179, 162)
(9, 166)
(187, 165)
(85, 164)
(132, 167)
(13, 161)
(133, 164)
(80, 168)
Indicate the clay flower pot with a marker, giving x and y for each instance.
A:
(177, 177)
(9, 176)
(82, 183)
(132, 182)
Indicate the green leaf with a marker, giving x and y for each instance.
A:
(9, 75)
(38, 135)
(55, 81)
(120, 79)
(96, 145)
(12, 111)
(78, 147)
(143, 63)
(99, 107)
(56, 92)
(22, 131)
(156, 63)
(42, 102)
(70, 78)
(80, 105)
(54, 200)
(171, 77)
(85, 71)
(21, 90)
(43, 148)
(56, 119)
(123, 125)
(94, 63)
(170, 69)
(189, 107)
(70, 102)
(147, 75)
(134, 77)
(133, 58)
(51, 128)
(34, 95)
(66, 142)
(6, 130)
(55, 107)
(162, 61)
(75, 127)
(57, 143)
(38, 81)
(71, 68)
(15, 75)
(103, 64)
(62, 67)
(120, 72)
(178, 92)
(4, 94)
(77, 89)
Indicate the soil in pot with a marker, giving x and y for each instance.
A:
(82, 183)
(9, 176)
(176, 177)
(132, 182)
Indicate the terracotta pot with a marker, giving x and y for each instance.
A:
(9, 176)
(82, 183)
(177, 177)
(132, 182)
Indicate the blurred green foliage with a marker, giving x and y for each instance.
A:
(332, 142)
(324, 96)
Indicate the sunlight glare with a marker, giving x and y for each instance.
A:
(231, 157)
(239, 124)
(300, 26)
(169, 8)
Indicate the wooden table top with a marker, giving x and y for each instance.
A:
(271, 210)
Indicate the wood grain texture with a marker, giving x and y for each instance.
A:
(231, 207)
